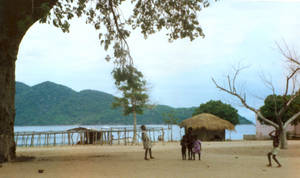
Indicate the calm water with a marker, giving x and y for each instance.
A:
(240, 130)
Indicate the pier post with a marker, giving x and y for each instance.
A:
(32, 140)
(111, 136)
(163, 135)
(118, 137)
(69, 138)
(125, 136)
(27, 137)
(17, 136)
(54, 139)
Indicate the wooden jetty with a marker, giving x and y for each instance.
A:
(83, 135)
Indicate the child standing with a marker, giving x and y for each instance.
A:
(183, 143)
(196, 148)
(190, 142)
(146, 143)
(275, 149)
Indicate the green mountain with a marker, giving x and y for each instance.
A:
(53, 104)
(244, 121)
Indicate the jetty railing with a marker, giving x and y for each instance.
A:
(89, 136)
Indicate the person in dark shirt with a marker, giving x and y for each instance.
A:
(183, 143)
(275, 149)
(190, 143)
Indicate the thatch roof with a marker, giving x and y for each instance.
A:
(81, 129)
(207, 121)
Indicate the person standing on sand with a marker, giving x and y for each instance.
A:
(183, 143)
(146, 143)
(275, 149)
(190, 143)
(196, 148)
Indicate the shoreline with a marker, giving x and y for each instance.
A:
(106, 125)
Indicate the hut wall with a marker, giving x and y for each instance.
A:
(262, 131)
(209, 135)
(91, 137)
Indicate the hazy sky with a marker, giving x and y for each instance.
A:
(179, 73)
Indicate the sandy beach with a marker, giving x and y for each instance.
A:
(236, 159)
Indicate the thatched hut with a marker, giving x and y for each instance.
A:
(207, 127)
(90, 136)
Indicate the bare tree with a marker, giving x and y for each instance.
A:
(291, 89)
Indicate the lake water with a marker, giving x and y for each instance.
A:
(177, 132)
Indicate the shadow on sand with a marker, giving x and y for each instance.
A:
(24, 159)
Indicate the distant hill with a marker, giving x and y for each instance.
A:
(244, 121)
(53, 104)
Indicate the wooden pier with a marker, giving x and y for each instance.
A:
(86, 136)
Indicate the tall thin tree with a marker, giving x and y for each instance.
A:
(134, 93)
(170, 120)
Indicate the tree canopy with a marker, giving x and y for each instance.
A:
(134, 92)
(133, 87)
(220, 109)
(179, 18)
(274, 103)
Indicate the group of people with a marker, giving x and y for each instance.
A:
(193, 145)
(189, 143)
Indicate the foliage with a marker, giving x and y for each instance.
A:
(224, 111)
(274, 103)
(179, 18)
(170, 119)
(133, 87)
(52, 104)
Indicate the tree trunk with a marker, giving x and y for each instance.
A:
(283, 140)
(282, 136)
(134, 128)
(7, 110)
(16, 16)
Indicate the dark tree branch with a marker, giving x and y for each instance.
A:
(243, 101)
(288, 78)
(288, 54)
(295, 116)
(294, 69)
(120, 33)
(269, 84)
(233, 91)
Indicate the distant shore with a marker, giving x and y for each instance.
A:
(101, 125)
(233, 159)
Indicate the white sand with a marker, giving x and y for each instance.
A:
(240, 159)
